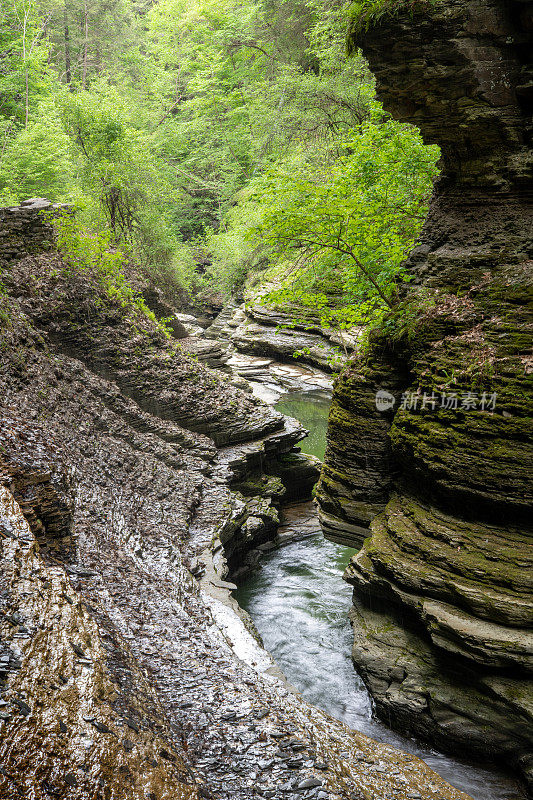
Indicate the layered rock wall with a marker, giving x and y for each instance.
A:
(121, 676)
(442, 588)
(265, 331)
(24, 229)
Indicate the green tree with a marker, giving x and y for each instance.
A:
(37, 160)
(347, 228)
(24, 49)
(228, 128)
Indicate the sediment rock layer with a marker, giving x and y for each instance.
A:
(123, 676)
(288, 335)
(442, 588)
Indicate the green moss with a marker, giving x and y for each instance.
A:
(260, 485)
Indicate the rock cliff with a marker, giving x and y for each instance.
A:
(130, 477)
(442, 471)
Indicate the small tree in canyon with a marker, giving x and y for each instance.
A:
(347, 230)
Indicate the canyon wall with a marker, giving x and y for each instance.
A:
(131, 476)
(439, 476)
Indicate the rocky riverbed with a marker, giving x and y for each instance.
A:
(270, 334)
(131, 476)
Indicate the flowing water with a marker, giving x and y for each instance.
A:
(301, 584)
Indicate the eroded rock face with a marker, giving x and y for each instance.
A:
(68, 715)
(122, 676)
(442, 590)
(40, 482)
(145, 366)
(271, 332)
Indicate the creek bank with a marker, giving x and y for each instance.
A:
(435, 498)
(298, 602)
(260, 343)
(266, 331)
(278, 368)
(120, 675)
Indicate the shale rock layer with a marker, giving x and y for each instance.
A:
(442, 471)
(125, 671)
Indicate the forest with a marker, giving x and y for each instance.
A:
(216, 145)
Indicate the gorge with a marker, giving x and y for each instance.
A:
(153, 449)
(123, 675)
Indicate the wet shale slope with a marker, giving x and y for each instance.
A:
(441, 472)
(117, 452)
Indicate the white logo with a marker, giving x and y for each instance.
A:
(384, 400)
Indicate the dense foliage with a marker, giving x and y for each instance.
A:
(215, 142)
(338, 235)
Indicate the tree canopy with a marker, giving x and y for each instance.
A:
(217, 143)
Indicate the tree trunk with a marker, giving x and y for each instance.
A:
(27, 115)
(68, 73)
(85, 45)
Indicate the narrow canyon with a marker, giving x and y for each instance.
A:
(158, 454)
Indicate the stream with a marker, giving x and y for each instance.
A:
(299, 604)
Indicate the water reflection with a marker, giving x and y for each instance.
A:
(312, 409)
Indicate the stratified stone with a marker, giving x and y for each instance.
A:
(121, 673)
(443, 595)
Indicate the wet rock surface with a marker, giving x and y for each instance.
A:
(123, 675)
(442, 600)
(268, 332)
(299, 603)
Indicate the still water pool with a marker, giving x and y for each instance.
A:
(311, 409)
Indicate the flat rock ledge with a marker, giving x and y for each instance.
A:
(264, 331)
